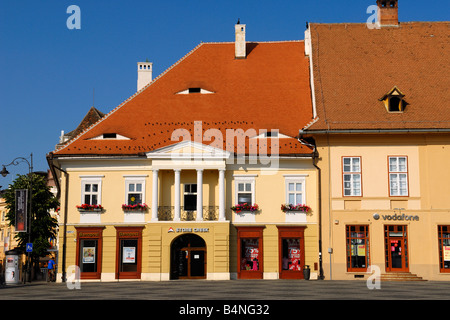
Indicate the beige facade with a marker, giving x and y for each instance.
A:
(157, 236)
(421, 211)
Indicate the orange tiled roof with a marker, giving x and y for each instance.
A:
(355, 66)
(268, 90)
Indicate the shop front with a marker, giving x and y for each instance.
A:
(188, 257)
(274, 252)
(89, 252)
(128, 252)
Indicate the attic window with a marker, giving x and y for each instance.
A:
(194, 90)
(273, 134)
(109, 136)
(394, 100)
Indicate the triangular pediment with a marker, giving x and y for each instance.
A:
(188, 150)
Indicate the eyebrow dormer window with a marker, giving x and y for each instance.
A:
(110, 136)
(394, 100)
(194, 90)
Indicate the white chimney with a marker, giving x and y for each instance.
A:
(239, 46)
(144, 74)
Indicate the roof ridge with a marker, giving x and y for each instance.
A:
(269, 41)
(129, 99)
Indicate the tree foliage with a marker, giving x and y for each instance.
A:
(43, 225)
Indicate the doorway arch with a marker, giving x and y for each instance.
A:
(188, 257)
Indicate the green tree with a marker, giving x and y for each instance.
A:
(43, 225)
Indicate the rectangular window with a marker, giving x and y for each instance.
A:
(88, 254)
(351, 168)
(295, 190)
(190, 197)
(357, 248)
(245, 190)
(135, 192)
(398, 176)
(91, 190)
(444, 248)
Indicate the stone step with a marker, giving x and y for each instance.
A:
(400, 276)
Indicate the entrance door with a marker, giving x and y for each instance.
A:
(396, 249)
(188, 257)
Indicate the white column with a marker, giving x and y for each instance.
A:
(199, 195)
(221, 194)
(155, 196)
(177, 186)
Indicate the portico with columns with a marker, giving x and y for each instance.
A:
(183, 159)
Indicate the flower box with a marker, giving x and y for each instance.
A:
(90, 208)
(295, 208)
(245, 207)
(135, 207)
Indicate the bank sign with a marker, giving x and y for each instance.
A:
(177, 230)
(396, 217)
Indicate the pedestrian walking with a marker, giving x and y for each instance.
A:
(51, 270)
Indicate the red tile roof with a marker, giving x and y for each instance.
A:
(355, 66)
(269, 89)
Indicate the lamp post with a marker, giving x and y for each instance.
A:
(4, 173)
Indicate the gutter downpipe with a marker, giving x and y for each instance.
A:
(58, 186)
(314, 157)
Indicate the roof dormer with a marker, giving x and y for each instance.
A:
(394, 100)
(194, 90)
(110, 136)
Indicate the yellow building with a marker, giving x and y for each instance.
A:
(7, 232)
(381, 128)
(198, 175)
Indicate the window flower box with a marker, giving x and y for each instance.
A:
(245, 207)
(295, 208)
(135, 207)
(90, 208)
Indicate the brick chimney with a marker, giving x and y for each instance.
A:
(387, 12)
(144, 74)
(239, 46)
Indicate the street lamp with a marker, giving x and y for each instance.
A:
(4, 173)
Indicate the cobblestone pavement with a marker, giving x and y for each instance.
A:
(229, 290)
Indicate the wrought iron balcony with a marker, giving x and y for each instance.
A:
(166, 213)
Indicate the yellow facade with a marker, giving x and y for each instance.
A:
(158, 237)
(421, 212)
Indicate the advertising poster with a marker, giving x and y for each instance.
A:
(129, 255)
(21, 210)
(89, 255)
(294, 254)
(446, 252)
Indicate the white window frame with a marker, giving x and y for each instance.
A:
(91, 180)
(295, 179)
(394, 176)
(135, 180)
(245, 179)
(352, 173)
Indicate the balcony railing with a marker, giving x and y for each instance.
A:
(166, 213)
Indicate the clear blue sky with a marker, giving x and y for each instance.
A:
(48, 72)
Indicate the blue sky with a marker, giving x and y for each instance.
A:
(48, 72)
